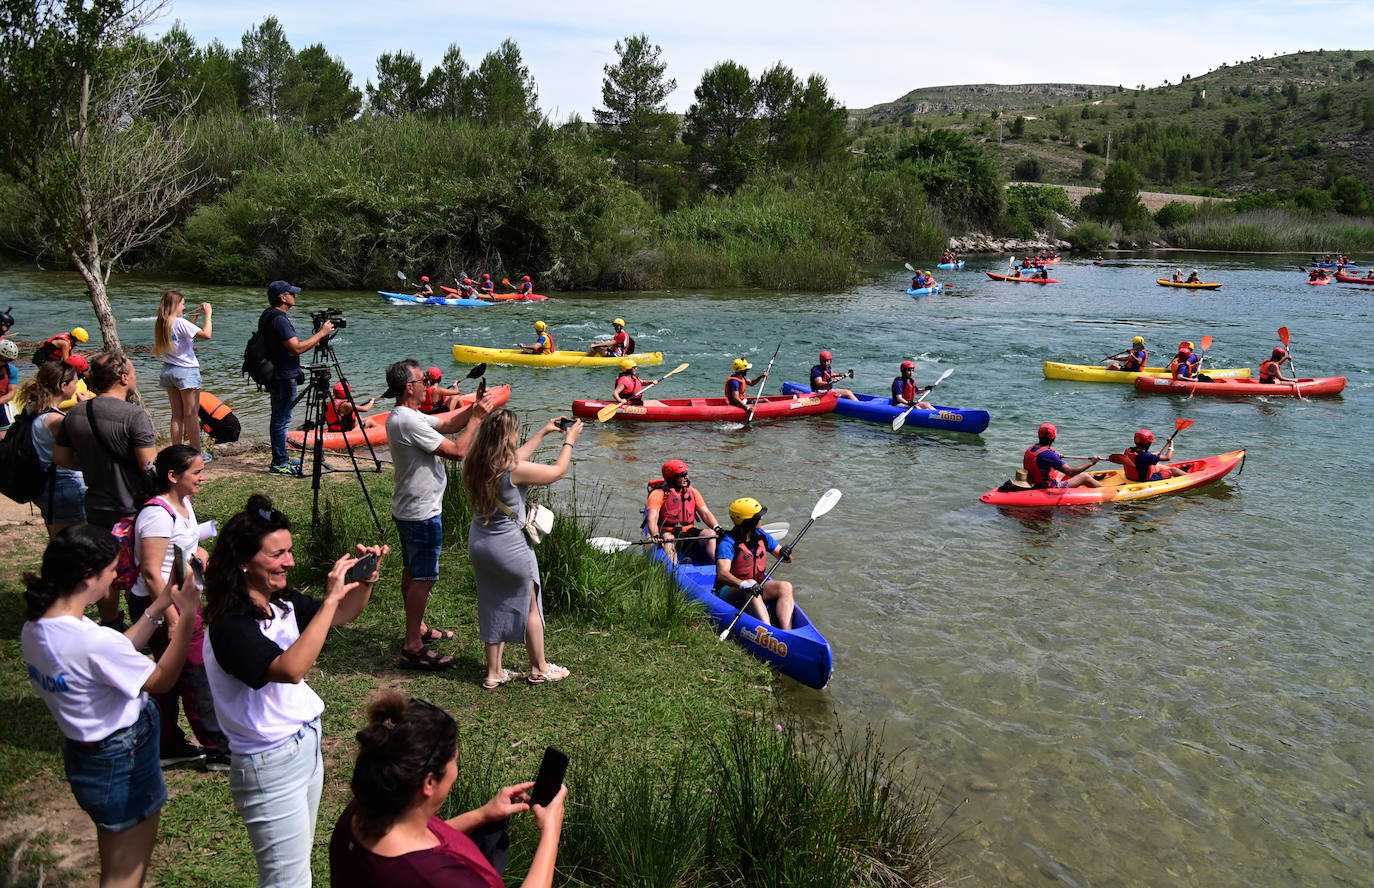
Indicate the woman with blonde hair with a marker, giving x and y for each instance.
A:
(498, 474)
(173, 339)
(62, 501)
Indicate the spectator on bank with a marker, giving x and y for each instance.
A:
(262, 638)
(173, 340)
(9, 381)
(497, 475)
(111, 442)
(418, 450)
(165, 521)
(284, 350)
(391, 834)
(96, 685)
(62, 501)
(59, 347)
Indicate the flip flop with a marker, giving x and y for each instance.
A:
(425, 660)
(432, 634)
(555, 673)
(507, 675)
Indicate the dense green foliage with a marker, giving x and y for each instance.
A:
(1032, 208)
(1119, 199)
(636, 126)
(1274, 230)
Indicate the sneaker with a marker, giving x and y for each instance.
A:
(284, 469)
(216, 760)
(180, 755)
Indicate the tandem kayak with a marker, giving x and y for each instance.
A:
(925, 291)
(360, 437)
(951, 265)
(1019, 280)
(1115, 487)
(1319, 282)
(1244, 388)
(876, 408)
(1334, 265)
(410, 299)
(1182, 285)
(476, 354)
(713, 409)
(1089, 373)
(501, 297)
(1352, 279)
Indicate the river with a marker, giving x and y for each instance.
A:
(1176, 691)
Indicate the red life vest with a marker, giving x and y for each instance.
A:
(743, 384)
(909, 389)
(750, 563)
(1269, 371)
(432, 403)
(620, 343)
(825, 376)
(526, 288)
(335, 420)
(1033, 473)
(1130, 466)
(49, 350)
(1135, 360)
(633, 387)
(678, 509)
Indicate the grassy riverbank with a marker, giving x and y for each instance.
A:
(683, 772)
(1272, 231)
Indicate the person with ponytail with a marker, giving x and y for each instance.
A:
(96, 685)
(262, 639)
(63, 498)
(391, 834)
(173, 341)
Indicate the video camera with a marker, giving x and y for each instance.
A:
(333, 315)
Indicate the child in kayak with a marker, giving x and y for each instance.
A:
(1132, 361)
(742, 561)
(905, 392)
(738, 381)
(1143, 465)
(543, 342)
(823, 378)
(1045, 468)
(1271, 371)
(672, 512)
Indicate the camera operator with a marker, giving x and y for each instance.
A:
(284, 351)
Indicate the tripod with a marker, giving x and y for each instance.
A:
(317, 394)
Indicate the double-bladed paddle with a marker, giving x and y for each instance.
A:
(823, 505)
(900, 420)
(605, 413)
(750, 418)
(777, 530)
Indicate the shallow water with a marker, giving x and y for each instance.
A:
(1175, 691)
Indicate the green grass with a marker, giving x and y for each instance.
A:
(671, 732)
(1272, 231)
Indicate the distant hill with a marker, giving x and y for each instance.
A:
(940, 100)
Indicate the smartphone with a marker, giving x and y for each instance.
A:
(198, 570)
(564, 423)
(550, 777)
(178, 566)
(365, 568)
(481, 388)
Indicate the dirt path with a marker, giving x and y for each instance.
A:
(1153, 200)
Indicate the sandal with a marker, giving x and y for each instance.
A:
(432, 634)
(492, 684)
(425, 660)
(555, 673)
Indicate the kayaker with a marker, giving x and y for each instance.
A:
(340, 414)
(59, 347)
(742, 562)
(905, 391)
(437, 399)
(1184, 364)
(738, 382)
(1132, 361)
(425, 288)
(488, 288)
(672, 512)
(1143, 465)
(823, 378)
(543, 342)
(1041, 274)
(629, 388)
(1271, 371)
(1193, 278)
(616, 346)
(526, 288)
(1045, 468)
(1177, 276)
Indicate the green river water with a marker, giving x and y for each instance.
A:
(1176, 691)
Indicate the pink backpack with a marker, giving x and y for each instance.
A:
(126, 562)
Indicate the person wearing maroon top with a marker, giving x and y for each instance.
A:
(390, 834)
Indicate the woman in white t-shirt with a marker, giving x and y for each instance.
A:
(96, 684)
(173, 339)
(262, 639)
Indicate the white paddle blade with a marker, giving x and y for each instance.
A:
(900, 419)
(943, 376)
(908, 266)
(400, 275)
(608, 544)
(826, 502)
(777, 530)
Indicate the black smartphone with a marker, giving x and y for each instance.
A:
(481, 388)
(365, 568)
(178, 566)
(564, 423)
(198, 570)
(550, 777)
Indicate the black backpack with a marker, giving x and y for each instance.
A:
(21, 474)
(256, 365)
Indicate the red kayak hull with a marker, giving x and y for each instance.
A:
(1243, 388)
(1352, 279)
(360, 437)
(1019, 280)
(713, 409)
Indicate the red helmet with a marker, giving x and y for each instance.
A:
(433, 374)
(425, 279)
(673, 468)
(1144, 437)
(825, 356)
(525, 278)
(1184, 350)
(908, 365)
(1047, 430)
(1279, 352)
(1187, 343)
(486, 277)
(79, 362)
(340, 390)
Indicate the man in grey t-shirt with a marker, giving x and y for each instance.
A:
(418, 450)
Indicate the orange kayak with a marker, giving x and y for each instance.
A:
(360, 437)
(1115, 487)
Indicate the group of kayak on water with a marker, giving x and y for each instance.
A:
(342, 413)
(1187, 362)
(620, 343)
(484, 289)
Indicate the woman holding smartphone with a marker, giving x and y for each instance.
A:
(96, 685)
(391, 834)
(173, 341)
(262, 639)
(497, 474)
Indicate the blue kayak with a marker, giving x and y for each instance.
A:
(876, 408)
(1337, 265)
(925, 291)
(409, 299)
(801, 652)
(959, 264)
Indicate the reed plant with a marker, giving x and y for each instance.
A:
(1275, 230)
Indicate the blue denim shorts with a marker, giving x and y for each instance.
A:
(118, 780)
(420, 544)
(68, 500)
(174, 377)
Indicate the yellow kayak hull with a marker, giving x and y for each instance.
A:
(473, 354)
(1089, 373)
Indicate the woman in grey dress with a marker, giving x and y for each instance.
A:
(497, 474)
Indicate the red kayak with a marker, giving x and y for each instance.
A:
(1319, 282)
(1352, 279)
(1012, 279)
(1115, 487)
(712, 409)
(500, 297)
(1243, 388)
(360, 436)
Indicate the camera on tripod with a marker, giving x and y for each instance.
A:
(332, 315)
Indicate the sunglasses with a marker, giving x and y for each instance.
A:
(431, 766)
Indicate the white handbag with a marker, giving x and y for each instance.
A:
(538, 521)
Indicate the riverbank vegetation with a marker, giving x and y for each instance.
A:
(683, 771)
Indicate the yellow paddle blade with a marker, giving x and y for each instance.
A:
(606, 412)
(678, 369)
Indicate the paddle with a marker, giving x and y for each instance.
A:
(1283, 337)
(777, 530)
(1197, 372)
(1179, 424)
(605, 413)
(750, 418)
(823, 505)
(900, 420)
(909, 268)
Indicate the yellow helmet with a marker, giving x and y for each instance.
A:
(618, 322)
(540, 326)
(628, 364)
(1138, 341)
(744, 508)
(741, 365)
(80, 334)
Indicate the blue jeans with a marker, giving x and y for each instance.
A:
(118, 780)
(277, 793)
(283, 392)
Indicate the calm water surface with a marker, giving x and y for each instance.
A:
(1171, 692)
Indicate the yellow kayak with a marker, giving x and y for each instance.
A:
(473, 354)
(1089, 373)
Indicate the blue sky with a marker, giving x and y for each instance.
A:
(869, 51)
